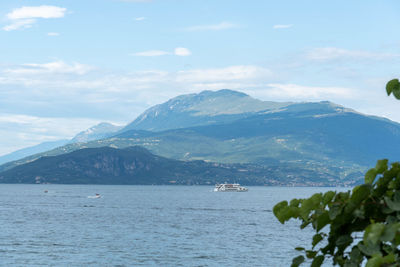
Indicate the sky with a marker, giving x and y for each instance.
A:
(68, 65)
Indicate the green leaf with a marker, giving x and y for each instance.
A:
(328, 196)
(370, 176)
(359, 213)
(373, 233)
(286, 213)
(392, 85)
(395, 206)
(396, 197)
(369, 249)
(397, 240)
(297, 261)
(316, 239)
(316, 199)
(295, 202)
(311, 254)
(344, 240)
(307, 205)
(381, 165)
(392, 184)
(391, 219)
(334, 211)
(299, 248)
(355, 257)
(322, 220)
(390, 232)
(317, 262)
(396, 93)
(350, 207)
(305, 208)
(278, 210)
(390, 258)
(375, 261)
(342, 196)
(360, 193)
(304, 224)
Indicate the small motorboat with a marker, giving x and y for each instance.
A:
(95, 196)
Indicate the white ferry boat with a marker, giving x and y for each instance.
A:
(229, 188)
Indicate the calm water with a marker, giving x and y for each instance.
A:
(146, 226)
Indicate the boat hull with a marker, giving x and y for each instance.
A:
(229, 188)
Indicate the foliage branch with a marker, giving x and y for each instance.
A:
(364, 222)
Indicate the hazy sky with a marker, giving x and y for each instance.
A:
(67, 65)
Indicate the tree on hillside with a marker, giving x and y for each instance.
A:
(364, 222)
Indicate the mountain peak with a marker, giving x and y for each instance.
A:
(101, 130)
(223, 92)
(182, 102)
(204, 108)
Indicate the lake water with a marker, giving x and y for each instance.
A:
(146, 226)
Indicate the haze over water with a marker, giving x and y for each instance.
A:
(146, 226)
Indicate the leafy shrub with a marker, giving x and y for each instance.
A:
(370, 210)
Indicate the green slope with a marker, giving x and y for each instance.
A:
(136, 165)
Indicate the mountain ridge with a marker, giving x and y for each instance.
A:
(136, 165)
(308, 136)
(27, 151)
(96, 132)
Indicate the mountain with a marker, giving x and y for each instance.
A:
(336, 142)
(136, 165)
(99, 131)
(207, 107)
(25, 152)
(304, 132)
(308, 135)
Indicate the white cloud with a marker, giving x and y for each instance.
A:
(37, 82)
(19, 24)
(140, 18)
(26, 16)
(333, 53)
(307, 93)
(110, 85)
(30, 12)
(213, 27)
(232, 73)
(151, 53)
(56, 67)
(282, 26)
(53, 34)
(181, 51)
